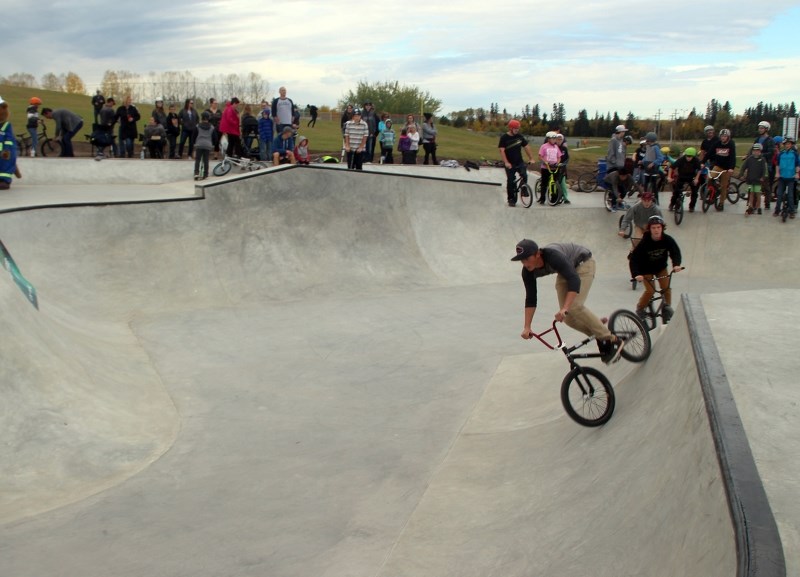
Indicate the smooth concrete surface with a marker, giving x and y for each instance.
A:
(315, 372)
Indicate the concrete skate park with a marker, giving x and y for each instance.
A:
(310, 371)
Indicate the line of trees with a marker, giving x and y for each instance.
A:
(689, 127)
(172, 86)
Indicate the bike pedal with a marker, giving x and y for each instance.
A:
(618, 354)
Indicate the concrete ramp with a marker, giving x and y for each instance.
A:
(318, 372)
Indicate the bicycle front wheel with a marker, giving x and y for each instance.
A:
(222, 168)
(704, 192)
(608, 200)
(51, 147)
(587, 182)
(626, 325)
(678, 212)
(554, 193)
(526, 195)
(587, 396)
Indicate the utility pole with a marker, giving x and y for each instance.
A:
(658, 122)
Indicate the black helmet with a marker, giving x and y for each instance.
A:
(655, 219)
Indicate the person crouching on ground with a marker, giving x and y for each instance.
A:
(283, 147)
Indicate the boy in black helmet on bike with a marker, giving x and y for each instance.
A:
(649, 261)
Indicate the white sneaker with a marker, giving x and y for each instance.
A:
(33, 153)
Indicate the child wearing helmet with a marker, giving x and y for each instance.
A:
(649, 261)
(685, 170)
(33, 122)
(756, 168)
(653, 158)
(788, 172)
(723, 159)
(768, 149)
(550, 156)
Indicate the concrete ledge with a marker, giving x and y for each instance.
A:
(758, 543)
(60, 171)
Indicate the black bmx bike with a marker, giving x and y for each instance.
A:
(586, 393)
(657, 306)
(524, 191)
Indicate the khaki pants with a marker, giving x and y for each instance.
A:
(724, 180)
(581, 318)
(650, 288)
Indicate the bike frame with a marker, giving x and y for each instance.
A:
(561, 345)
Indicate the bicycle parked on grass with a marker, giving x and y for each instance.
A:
(244, 164)
(553, 195)
(657, 306)
(47, 146)
(586, 393)
(710, 191)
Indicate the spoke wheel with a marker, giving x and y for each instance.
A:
(587, 396)
(222, 168)
(587, 182)
(626, 325)
(526, 195)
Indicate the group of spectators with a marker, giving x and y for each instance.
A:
(362, 129)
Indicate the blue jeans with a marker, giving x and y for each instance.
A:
(34, 132)
(264, 149)
(786, 194)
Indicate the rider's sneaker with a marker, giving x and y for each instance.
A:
(666, 313)
(641, 313)
(758, 211)
(512, 204)
(608, 350)
(566, 201)
(749, 211)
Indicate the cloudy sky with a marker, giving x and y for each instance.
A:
(601, 55)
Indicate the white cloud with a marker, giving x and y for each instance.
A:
(609, 55)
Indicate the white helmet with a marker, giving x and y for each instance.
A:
(159, 99)
(763, 124)
(551, 134)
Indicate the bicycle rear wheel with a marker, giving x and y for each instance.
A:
(222, 168)
(743, 191)
(626, 325)
(733, 193)
(587, 182)
(50, 147)
(526, 195)
(587, 396)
